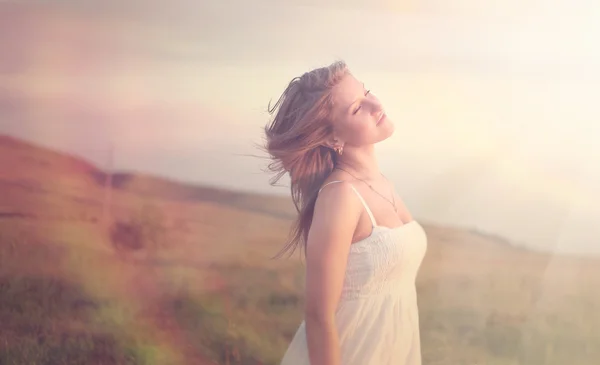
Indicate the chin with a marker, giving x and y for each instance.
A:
(387, 129)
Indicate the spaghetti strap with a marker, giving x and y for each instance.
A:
(365, 205)
(373, 222)
(331, 182)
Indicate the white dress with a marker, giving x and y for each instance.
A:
(377, 317)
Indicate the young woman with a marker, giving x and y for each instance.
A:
(363, 249)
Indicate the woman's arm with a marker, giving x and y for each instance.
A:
(335, 218)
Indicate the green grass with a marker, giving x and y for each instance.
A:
(250, 321)
(50, 321)
(49, 315)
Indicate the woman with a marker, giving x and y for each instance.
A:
(363, 249)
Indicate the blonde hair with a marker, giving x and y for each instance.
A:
(295, 141)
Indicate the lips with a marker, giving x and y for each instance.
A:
(382, 116)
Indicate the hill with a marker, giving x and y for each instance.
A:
(164, 277)
(26, 165)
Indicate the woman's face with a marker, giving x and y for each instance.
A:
(358, 116)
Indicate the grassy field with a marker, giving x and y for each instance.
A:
(181, 275)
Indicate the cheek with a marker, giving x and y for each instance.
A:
(365, 128)
(361, 132)
(357, 131)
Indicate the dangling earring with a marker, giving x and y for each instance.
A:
(339, 149)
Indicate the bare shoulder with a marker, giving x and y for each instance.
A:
(336, 215)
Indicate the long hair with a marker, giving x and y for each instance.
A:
(295, 141)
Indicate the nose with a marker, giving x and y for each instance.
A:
(376, 107)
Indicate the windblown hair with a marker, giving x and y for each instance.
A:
(296, 142)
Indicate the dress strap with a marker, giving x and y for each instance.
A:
(359, 197)
(331, 182)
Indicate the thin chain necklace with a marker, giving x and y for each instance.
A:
(393, 203)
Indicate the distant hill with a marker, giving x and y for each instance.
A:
(28, 165)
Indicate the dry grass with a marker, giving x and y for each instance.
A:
(210, 294)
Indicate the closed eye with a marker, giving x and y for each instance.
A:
(360, 106)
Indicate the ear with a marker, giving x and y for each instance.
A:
(333, 142)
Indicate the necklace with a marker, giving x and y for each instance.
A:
(393, 203)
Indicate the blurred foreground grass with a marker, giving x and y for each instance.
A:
(68, 303)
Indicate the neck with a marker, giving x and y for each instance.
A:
(360, 162)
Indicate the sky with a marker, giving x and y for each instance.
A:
(494, 102)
